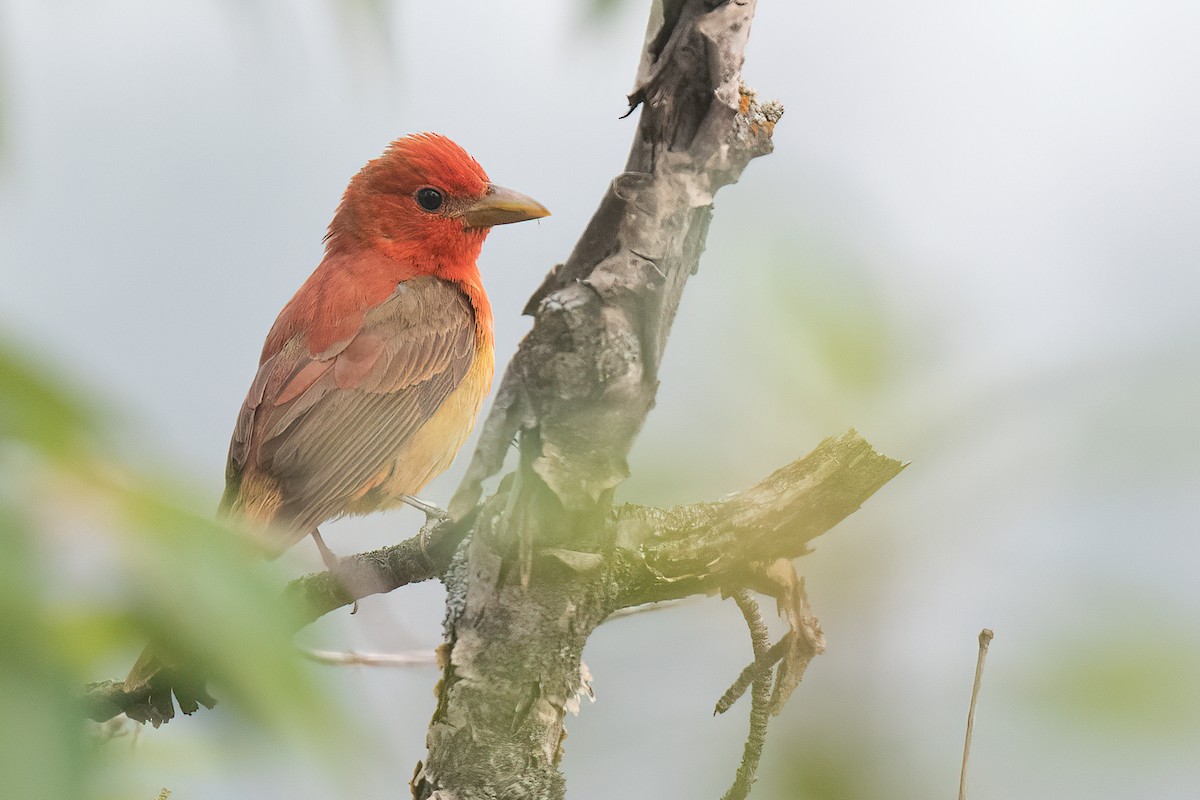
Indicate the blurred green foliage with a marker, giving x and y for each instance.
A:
(1140, 683)
(96, 560)
(603, 8)
(828, 770)
(827, 304)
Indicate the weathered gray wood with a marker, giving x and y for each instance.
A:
(538, 574)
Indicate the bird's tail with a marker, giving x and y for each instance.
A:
(256, 503)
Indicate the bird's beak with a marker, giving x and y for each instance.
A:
(500, 206)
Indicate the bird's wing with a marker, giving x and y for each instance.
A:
(324, 427)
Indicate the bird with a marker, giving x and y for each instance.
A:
(372, 376)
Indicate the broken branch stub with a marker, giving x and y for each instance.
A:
(707, 547)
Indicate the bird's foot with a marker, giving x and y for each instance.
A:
(433, 514)
(332, 563)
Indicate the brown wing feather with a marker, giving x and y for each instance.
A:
(324, 427)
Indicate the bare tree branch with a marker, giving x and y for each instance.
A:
(760, 699)
(336, 658)
(543, 572)
(585, 377)
(708, 546)
(985, 639)
(756, 670)
(413, 560)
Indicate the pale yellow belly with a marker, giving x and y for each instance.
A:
(431, 449)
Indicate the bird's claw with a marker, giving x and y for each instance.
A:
(433, 514)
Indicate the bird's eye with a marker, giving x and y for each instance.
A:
(429, 199)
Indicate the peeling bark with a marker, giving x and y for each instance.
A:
(542, 569)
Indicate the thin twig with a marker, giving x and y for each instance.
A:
(419, 658)
(760, 699)
(756, 669)
(985, 638)
(646, 608)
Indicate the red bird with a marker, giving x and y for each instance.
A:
(372, 376)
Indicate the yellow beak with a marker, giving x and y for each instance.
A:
(500, 206)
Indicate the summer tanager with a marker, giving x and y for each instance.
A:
(372, 375)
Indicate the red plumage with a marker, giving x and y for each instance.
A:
(387, 347)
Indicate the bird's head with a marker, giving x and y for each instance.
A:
(427, 202)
